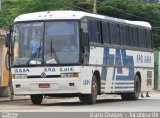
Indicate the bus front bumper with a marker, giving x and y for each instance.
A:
(46, 86)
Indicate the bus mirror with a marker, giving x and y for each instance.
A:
(7, 40)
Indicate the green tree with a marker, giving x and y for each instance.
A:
(125, 9)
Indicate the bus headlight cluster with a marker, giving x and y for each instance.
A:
(19, 76)
(70, 75)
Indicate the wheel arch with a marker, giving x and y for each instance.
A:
(97, 74)
(139, 76)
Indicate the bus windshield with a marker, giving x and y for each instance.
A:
(53, 42)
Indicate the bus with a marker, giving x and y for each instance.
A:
(74, 53)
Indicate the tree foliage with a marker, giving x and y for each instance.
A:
(125, 9)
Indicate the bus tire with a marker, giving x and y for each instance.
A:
(134, 95)
(125, 96)
(36, 99)
(137, 89)
(82, 98)
(91, 98)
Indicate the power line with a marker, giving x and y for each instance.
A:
(134, 15)
(75, 6)
(120, 10)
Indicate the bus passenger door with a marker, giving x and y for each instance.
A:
(84, 42)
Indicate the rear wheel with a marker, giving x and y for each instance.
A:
(91, 98)
(137, 89)
(36, 99)
(134, 95)
(125, 96)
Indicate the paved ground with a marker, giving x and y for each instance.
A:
(109, 103)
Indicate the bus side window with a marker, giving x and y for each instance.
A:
(85, 41)
(94, 31)
(105, 33)
(84, 32)
(149, 39)
(114, 33)
(142, 38)
(134, 37)
(124, 34)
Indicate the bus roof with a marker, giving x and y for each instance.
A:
(63, 15)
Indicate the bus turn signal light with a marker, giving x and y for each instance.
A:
(70, 75)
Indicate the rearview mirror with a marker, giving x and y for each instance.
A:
(7, 39)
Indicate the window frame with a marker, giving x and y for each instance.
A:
(116, 24)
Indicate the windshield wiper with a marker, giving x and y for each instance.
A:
(54, 53)
(34, 55)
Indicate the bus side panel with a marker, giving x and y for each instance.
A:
(121, 72)
(86, 78)
(96, 62)
(96, 58)
(114, 77)
(144, 64)
(119, 66)
(147, 78)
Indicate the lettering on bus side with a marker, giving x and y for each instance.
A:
(21, 70)
(49, 70)
(143, 58)
(86, 82)
(67, 69)
(62, 69)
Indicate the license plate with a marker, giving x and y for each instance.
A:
(44, 85)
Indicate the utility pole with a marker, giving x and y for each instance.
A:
(95, 6)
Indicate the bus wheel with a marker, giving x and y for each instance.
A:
(91, 98)
(134, 95)
(36, 99)
(125, 96)
(82, 98)
(137, 89)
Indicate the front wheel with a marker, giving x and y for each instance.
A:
(82, 98)
(91, 98)
(36, 99)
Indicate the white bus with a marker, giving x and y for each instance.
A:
(74, 53)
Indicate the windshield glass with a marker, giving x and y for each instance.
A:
(27, 43)
(61, 41)
(53, 42)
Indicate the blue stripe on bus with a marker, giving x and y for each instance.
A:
(108, 59)
(122, 87)
(127, 61)
(118, 61)
(122, 91)
(120, 56)
(123, 83)
(104, 69)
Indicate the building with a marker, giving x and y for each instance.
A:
(3, 71)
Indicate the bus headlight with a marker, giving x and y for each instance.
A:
(70, 75)
(19, 76)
